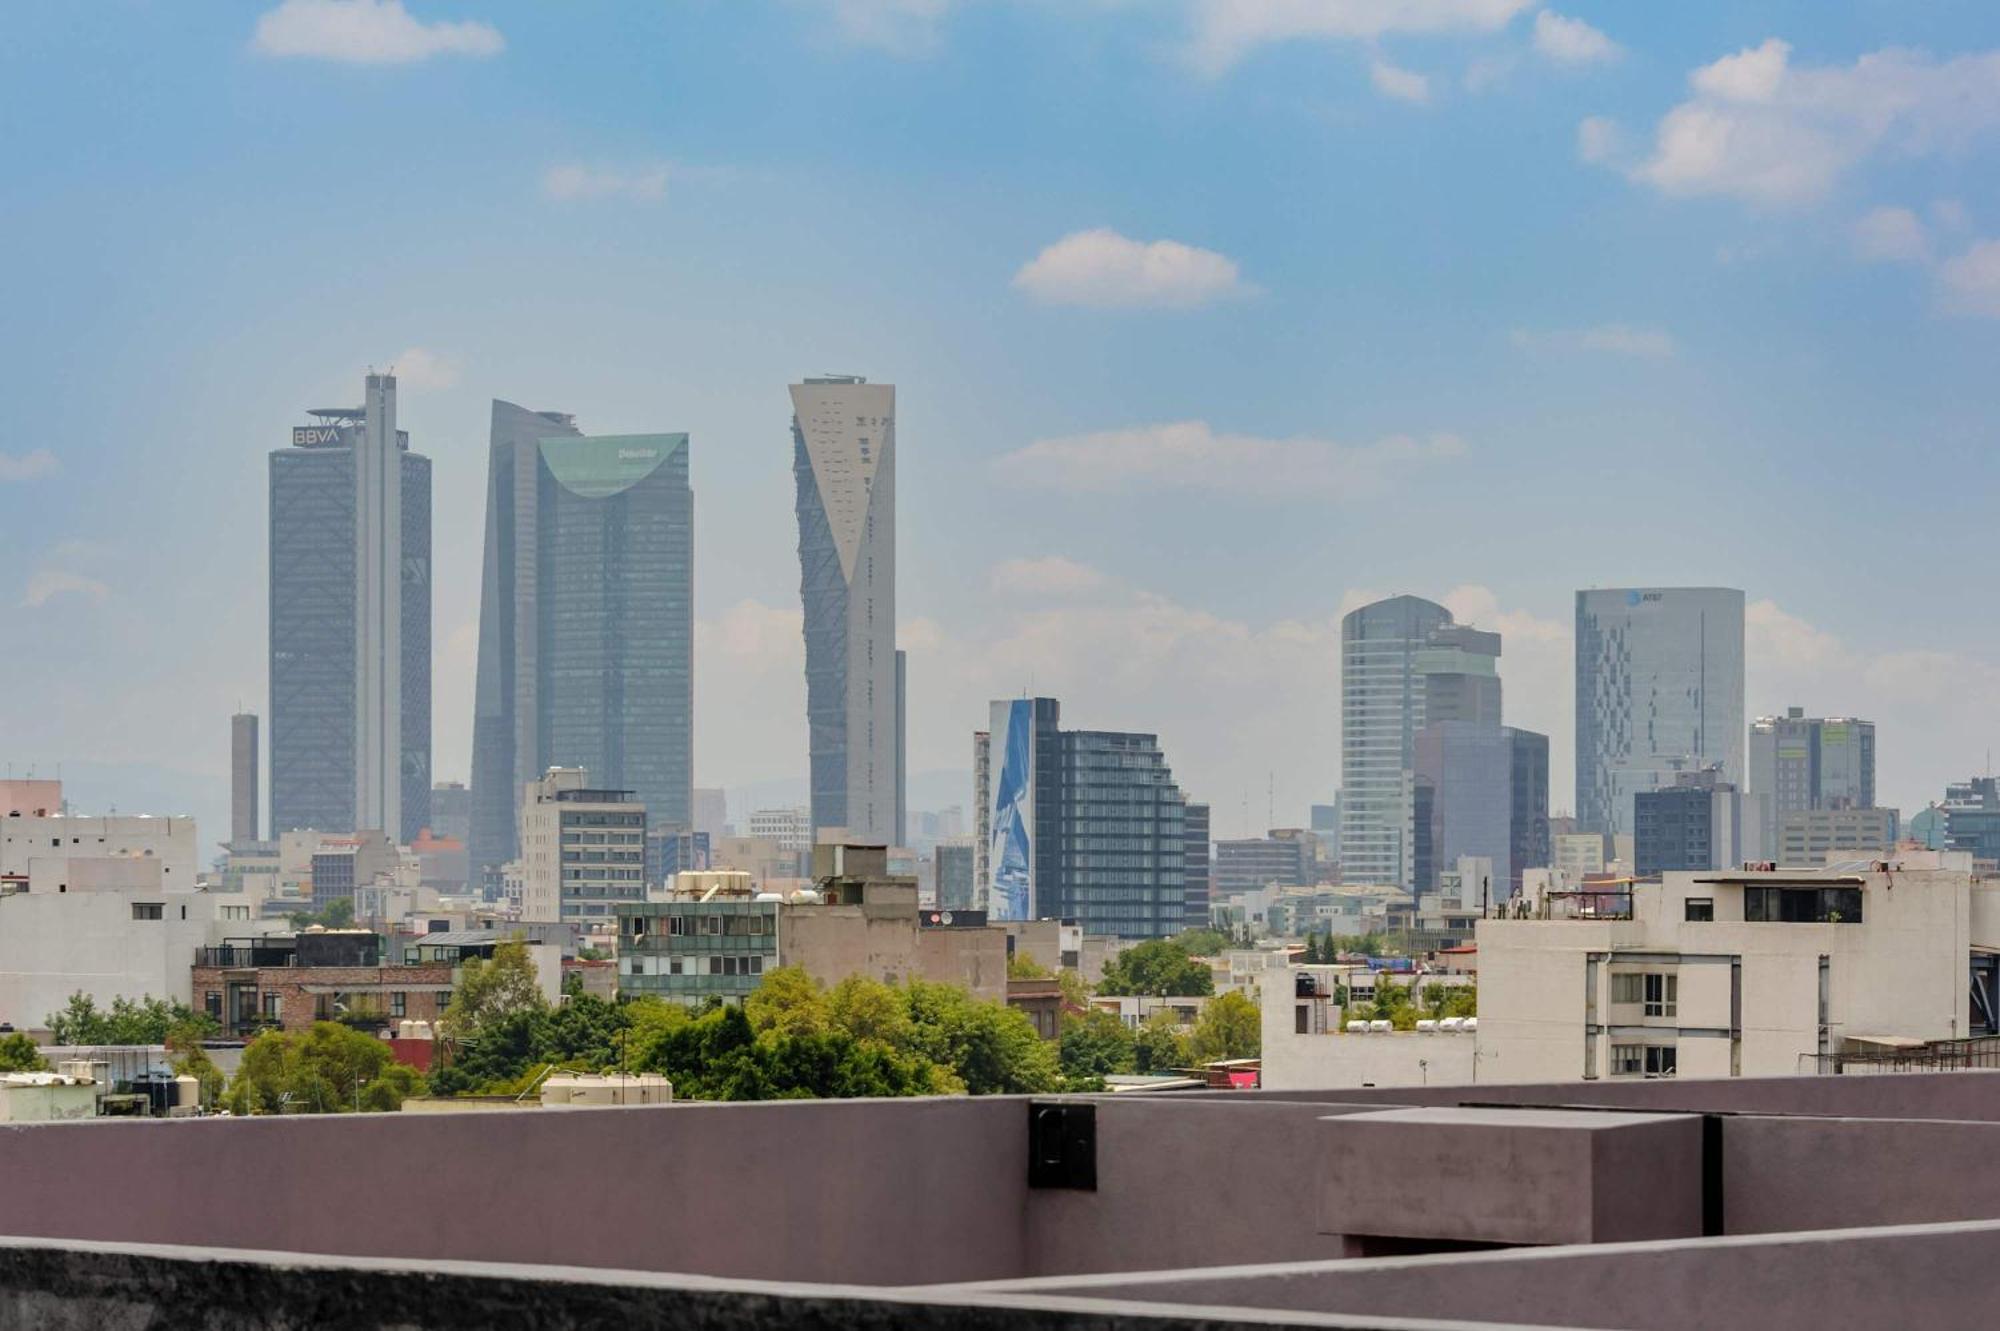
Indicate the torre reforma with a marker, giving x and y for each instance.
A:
(586, 621)
(844, 461)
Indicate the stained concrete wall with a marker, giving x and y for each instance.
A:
(1828, 1173)
(872, 1192)
(1922, 1276)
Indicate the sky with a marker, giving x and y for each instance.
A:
(1210, 320)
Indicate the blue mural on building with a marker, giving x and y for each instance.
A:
(1011, 896)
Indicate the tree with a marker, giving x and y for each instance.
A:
(1160, 1046)
(1160, 967)
(19, 1053)
(329, 1069)
(1095, 1045)
(339, 914)
(491, 989)
(1202, 942)
(869, 1010)
(192, 1060)
(148, 1021)
(788, 1001)
(1075, 989)
(992, 1048)
(1229, 1027)
(1451, 1000)
(1021, 966)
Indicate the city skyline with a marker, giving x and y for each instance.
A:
(1612, 348)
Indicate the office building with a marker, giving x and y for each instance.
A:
(350, 623)
(1972, 817)
(451, 811)
(586, 621)
(844, 466)
(790, 828)
(956, 887)
(1083, 825)
(711, 812)
(343, 865)
(1528, 844)
(1697, 823)
(1800, 763)
(1464, 801)
(1404, 663)
(583, 849)
(982, 815)
(1819, 836)
(1197, 865)
(1659, 690)
(1282, 858)
(672, 850)
(243, 768)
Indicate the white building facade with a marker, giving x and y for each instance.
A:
(583, 851)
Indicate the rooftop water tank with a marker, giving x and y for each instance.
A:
(1379, 1027)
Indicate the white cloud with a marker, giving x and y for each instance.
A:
(1189, 455)
(573, 180)
(1616, 339)
(1760, 128)
(1227, 30)
(367, 32)
(1047, 576)
(1402, 84)
(899, 27)
(421, 369)
(1105, 270)
(1599, 139)
(27, 466)
(46, 584)
(1571, 41)
(1951, 214)
(1971, 281)
(1892, 235)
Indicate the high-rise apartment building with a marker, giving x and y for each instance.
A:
(1659, 690)
(1404, 662)
(1083, 825)
(1800, 763)
(243, 765)
(1696, 823)
(586, 621)
(350, 623)
(844, 464)
(583, 848)
(1197, 866)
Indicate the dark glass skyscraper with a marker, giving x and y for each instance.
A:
(586, 621)
(350, 623)
(1085, 825)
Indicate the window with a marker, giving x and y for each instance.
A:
(1802, 905)
(1658, 992)
(1662, 995)
(1643, 1060)
(1700, 910)
(399, 1004)
(212, 1004)
(148, 910)
(271, 999)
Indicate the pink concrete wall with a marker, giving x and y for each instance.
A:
(876, 1192)
(1835, 1173)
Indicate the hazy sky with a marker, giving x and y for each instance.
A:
(1209, 318)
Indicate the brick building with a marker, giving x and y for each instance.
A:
(249, 984)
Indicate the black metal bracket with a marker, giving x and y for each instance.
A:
(1062, 1145)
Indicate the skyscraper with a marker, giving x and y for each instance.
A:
(243, 756)
(1659, 690)
(1801, 764)
(1197, 866)
(586, 621)
(1401, 660)
(844, 463)
(350, 623)
(1084, 825)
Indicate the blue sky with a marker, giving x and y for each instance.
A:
(1209, 318)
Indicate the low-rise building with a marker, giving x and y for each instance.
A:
(1761, 972)
(583, 849)
(1813, 836)
(858, 919)
(248, 985)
